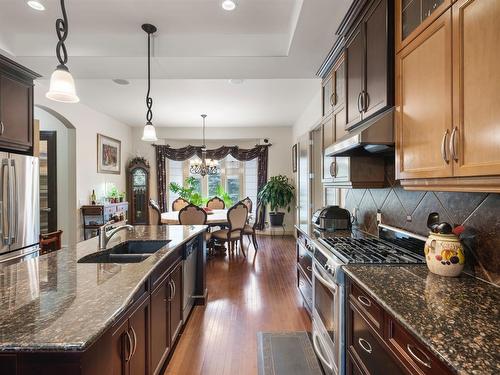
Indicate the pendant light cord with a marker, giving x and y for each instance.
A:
(62, 34)
(149, 100)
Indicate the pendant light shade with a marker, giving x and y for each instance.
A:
(62, 84)
(149, 133)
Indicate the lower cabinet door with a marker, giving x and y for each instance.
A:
(139, 330)
(364, 345)
(160, 329)
(352, 366)
(122, 348)
(176, 302)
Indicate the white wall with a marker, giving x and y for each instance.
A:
(65, 173)
(310, 117)
(279, 152)
(88, 123)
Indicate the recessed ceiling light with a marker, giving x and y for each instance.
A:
(236, 81)
(121, 81)
(37, 5)
(229, 5)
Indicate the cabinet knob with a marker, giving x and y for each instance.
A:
(365, 345)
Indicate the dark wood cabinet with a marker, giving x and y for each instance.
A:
(160, 335)
(355, 56)
(378, 344)
(176, 302)
(130, 342)
(16, 106)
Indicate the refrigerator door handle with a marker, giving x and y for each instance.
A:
(15, 200)
(5, 229)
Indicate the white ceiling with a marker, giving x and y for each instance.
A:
(275, 45)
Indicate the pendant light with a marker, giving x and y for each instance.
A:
(149, 132)
(62, 84)
(204, 167)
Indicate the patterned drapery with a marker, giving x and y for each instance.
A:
(163, 152)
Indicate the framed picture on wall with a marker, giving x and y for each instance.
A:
(294, 158)
(109, 154)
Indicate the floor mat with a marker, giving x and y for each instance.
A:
(286, 353)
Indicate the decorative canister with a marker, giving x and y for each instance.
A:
(444, 254)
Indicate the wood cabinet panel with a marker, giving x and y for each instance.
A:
(327, 95)
(376, 93)
(16, 113)
(160, 320)
(476, 84)
(139, 329)
(423, 103)
(355, 55)
(176, 302)
(121, 349)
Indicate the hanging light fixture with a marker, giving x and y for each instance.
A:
(204, 167)
(62, 84)
(149, 132)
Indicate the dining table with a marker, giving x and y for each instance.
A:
(214, 217)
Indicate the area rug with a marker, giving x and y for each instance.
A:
(286, 353)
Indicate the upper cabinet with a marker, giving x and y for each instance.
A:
(447, 113)
(413, 16)
(369, 60)
(16, 107)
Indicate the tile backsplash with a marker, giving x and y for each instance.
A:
(409, 209)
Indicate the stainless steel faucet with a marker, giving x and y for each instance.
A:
(105, 236)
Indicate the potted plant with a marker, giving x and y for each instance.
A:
(188, 192)
(122, 196)
(113, 195)
(278, 192)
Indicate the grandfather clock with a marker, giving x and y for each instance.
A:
(138, 191)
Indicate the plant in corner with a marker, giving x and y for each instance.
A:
(278, 192)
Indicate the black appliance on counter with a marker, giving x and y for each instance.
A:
(332, 218)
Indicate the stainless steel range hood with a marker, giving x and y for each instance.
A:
(376, 135)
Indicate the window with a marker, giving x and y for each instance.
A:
(238, 178)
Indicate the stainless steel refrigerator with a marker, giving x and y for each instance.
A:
(19, 205)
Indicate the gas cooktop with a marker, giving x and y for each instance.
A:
(392, 246)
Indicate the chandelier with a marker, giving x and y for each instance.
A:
(203, 166)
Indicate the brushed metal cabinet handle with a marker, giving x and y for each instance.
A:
(333, 99)
(359, 104)
(309, 268)
(171, 291)
(443, 147)
(364, 301)
(2, 128)
(366, 101)
(453, 144)
(410, 348)
(365, 345)
(333, 169)
(175, 289)
(129, 339)
(134, 336)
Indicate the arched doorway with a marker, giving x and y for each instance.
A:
(58, 137)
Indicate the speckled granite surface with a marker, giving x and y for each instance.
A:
(456, 318)
(54, 303)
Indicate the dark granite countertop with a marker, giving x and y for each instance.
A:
(52, 302)
(456, 318)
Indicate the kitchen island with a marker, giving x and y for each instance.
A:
(63, 316)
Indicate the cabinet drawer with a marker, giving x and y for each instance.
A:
(366, 348)
(411, 351)
(368, 307)
(305, 288)
(304, 259)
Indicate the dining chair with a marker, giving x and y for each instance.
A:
(50, 242)
(216, 203)
(156, 207)
(179, 204)
(248, 202)
(194, 215)
(237, 218)
(249, 229)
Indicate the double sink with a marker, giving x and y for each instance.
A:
(132, 251)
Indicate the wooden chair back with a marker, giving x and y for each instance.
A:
(50, 242)
(237, 217)
(259, 217)
(156, 207)
(192, 215)
(248, 202)
(179, 204)
(216, 203)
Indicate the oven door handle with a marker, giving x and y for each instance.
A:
(322, 280)
(319, 353)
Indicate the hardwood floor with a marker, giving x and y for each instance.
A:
(245, 296)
